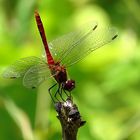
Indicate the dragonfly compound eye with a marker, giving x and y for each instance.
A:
(69, 85)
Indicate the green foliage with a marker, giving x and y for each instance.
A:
(107, 81)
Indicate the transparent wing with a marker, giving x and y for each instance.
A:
(21, 66)
(61, 45)
(83, 43)
(87, 44)
(36, 75)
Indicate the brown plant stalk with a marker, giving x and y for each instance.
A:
(70, 119)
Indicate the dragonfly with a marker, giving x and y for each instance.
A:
(60, 54)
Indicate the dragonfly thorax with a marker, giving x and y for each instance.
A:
(59, 72)
(60, 76)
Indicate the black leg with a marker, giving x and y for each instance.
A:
(65, 92)
(57, 92)
(60, 93)
(68, 95)
(49, 90)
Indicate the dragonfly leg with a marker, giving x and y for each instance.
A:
(60, 93)
(65, 92)
(69, 96)
(57, 92)
(49, 90)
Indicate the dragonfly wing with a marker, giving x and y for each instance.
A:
(91, 41)
(36, 75)
(83, 42)
(21, 66)
(61, 45)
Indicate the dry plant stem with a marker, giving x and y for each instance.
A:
(70, 119)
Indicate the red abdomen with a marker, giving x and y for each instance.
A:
(50, 59)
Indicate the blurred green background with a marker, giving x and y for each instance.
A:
(107, 81)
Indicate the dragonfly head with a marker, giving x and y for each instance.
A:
(68, 85)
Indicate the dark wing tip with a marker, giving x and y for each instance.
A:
(94, 27)
(9, 75)
(13, 77)
(115, 36)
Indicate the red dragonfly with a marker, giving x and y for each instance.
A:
(60, 54)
